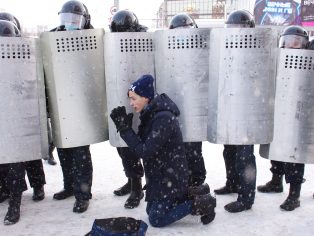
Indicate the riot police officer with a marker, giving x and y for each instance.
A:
(15, 172)
(9, 17)
(34, 169)
(239, 159)
(293, 37)
(75, 162)
(193, 150)
(126, 21)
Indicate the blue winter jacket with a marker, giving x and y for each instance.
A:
(159, 143)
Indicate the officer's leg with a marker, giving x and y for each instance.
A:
(275, 184)
(83, 177)
(294, 173)
(196, 165)
(4, 191)
(246, 170)
(134, 171)
(17, 185)
(66, 162)
(229, 154)
(132, 167)
(36, 176)
(50, 157)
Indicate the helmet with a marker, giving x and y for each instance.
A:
(8, 29)
(182, 20)
(9, 17)
(74, 15)
(240, 19)
(124, 21)
(294, 36)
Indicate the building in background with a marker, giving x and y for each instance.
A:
(205, 12)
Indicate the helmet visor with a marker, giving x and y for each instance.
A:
(72, 21)
(293, 41)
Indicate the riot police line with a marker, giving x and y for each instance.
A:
(88, 71)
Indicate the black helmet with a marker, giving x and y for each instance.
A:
(295, 30)
(182, 20)
(9, 17)
(240, 18)
(8, 29)
(75, 8)
(294, 36)
(124, 21)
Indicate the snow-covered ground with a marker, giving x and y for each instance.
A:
(51, 217)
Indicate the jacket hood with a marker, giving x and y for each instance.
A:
(160, 103)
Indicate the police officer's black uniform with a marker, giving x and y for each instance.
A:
(293, 172)
(76, 162)
(239, 159)
(126, 21)
(193, 150)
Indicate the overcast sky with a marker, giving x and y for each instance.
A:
(45, 12)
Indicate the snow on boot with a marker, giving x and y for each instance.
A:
(13, 214)
(198, 190)
(273, 186)
(39, 193)
(203, 204)
(292, 200)
(124, 190)
(136, 194)
(237, 206)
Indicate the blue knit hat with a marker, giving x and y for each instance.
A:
(144, 86)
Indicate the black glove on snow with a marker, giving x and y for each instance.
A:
(122, 120)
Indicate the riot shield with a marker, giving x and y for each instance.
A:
(75, 80)
(182, 73)
(241, 85)
(127, 57)
(23, 126)
(294, 109)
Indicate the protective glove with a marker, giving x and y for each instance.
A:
(122, 120)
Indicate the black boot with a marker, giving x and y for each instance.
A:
(63, 194)
(51, 160)
(13, 214)
(80, 205)
(39, 193)
(136, 193)
(237, 206)
(273, 186)
(204, 205)
(292, 200)
(124, 190)
(198, 190)
(227, 189)
(4, 196)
